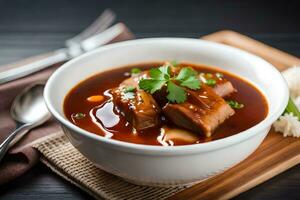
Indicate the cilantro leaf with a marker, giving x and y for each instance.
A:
(155, 73)
(174, 63)
(165, 70)
(161, 76)
(175, 93)
(161, 73)
(185, 73)
(151, 85)
(192, 82)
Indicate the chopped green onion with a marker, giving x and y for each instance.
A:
(135, 71)
(208, 75)
(211, 82)
(79, 115)
(292, 108)
(235, 104)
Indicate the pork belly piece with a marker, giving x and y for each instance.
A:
(223, 88)
(203, 111)
(138, 107)
(134, 80)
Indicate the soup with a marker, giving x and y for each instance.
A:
(165, 104)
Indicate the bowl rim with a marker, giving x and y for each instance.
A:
(192, 148)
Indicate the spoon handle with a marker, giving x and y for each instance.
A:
(4, 146)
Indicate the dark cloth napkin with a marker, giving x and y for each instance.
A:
(21, 157)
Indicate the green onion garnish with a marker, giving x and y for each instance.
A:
(79, 115)
(234, 104)
(211, 82)
(292, 108)
(209, 75)
(135, 71)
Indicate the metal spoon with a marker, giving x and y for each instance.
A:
(28, 110)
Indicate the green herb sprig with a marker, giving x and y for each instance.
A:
(161, 76)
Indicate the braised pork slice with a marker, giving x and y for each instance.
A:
(203, 111)
(134, 80)
(223, 87)
(138, 107)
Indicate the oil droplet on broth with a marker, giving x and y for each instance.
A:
(169, 136)
(106, 115)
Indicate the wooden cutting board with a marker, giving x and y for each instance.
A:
(275, 155)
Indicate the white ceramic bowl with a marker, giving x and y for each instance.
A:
(157, 165)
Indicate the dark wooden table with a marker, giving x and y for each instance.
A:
(31, 27)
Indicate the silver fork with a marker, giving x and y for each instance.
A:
(100, 24)
(73, 49)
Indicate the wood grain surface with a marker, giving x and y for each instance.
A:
(274, 156)
(280, 59)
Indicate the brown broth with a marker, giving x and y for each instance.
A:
(255, 109)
